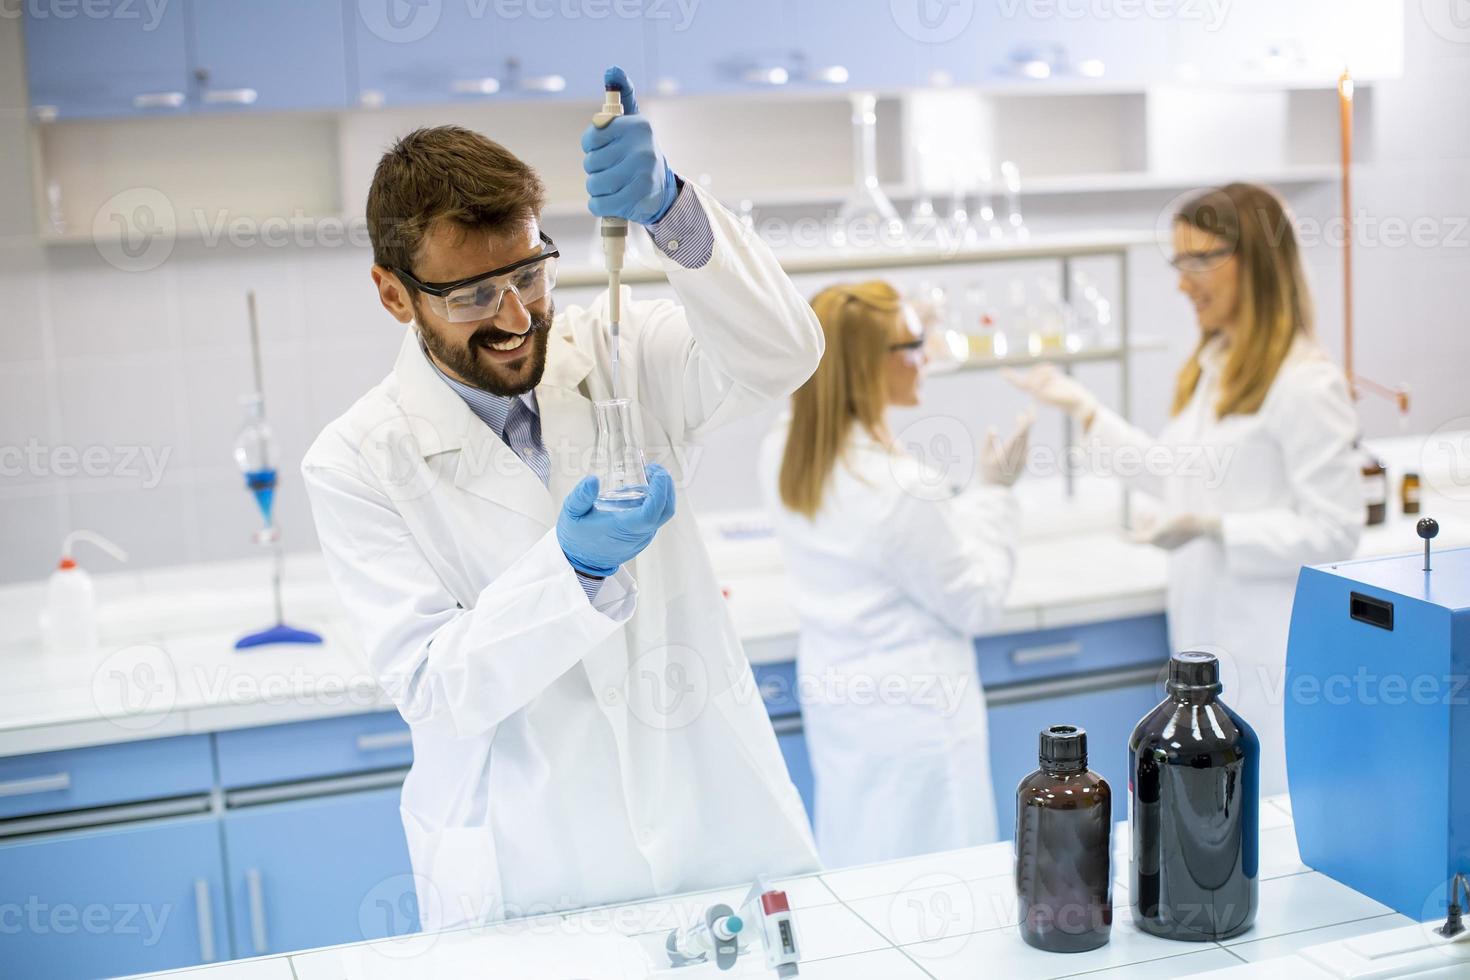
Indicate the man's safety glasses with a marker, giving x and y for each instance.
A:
(479, 297)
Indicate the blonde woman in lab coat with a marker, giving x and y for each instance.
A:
(1255, 473)
(891, 572)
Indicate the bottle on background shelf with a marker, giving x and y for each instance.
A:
(1375, 485)
(1409, 492)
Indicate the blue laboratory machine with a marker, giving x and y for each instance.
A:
(1378, 724)
(256, 455)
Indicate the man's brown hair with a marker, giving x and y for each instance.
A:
(446, 173)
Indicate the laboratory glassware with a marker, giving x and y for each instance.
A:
(256, 454)
(1064, 847)
(1194, 810)
(1011, 174)
(867, 204)
(617, 457)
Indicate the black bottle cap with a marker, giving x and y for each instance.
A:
(1194, 671)
(1063, 748)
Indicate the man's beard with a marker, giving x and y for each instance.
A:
(507, 380)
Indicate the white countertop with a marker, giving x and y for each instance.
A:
(947, 915)
(168, 666)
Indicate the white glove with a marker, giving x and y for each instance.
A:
(1175, 530)
(1001, 463)
(1045, 383)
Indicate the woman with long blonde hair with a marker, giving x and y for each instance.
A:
(1255, 473)
(893, 563)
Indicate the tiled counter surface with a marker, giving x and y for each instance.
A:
(948, 915)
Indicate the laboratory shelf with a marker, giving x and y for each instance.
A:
(1084, 356)
(1049, 246)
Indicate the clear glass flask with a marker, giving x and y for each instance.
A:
(618, 458)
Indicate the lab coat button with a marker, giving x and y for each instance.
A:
(645, 837)
(610, 696)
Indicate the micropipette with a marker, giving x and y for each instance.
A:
(614, 238)
(716, 933)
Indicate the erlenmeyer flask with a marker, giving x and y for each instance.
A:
(618, 459)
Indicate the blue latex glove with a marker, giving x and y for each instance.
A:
(627, 176)
(596, 541)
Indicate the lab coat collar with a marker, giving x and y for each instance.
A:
(1213, 354)
(567, 365)
(486, 467)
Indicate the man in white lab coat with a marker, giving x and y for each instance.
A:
(585, 727)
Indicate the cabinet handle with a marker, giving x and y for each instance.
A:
(475, 86)
(1045, 652)
(230, 96)
(257, 912)
(767, 76)
(158, 100)
(205, 913)
(385, 740)
(36, 784)
(542, 83)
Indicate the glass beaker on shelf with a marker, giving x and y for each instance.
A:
(617, 459)
(1053, 317)
(1094, 314)
(981, 324)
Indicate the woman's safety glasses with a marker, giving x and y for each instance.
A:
(479, 297)
(911, 348)
(1201, 261)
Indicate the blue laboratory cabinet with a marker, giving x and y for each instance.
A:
(318, 872)
(722, 47)
(80, 66)
(163, 853)
(192, 56)
(268, 54)
(101, 903)
(427, 53)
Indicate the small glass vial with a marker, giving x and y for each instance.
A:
(1064, 849)
(618, 458)
(1409, 493)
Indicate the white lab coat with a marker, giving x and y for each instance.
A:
(890, 582)
(1287, 486)
(568, 753)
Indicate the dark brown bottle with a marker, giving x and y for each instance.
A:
(1375, 487)
(1194, 810)
(1064, 848)
(1409, 493)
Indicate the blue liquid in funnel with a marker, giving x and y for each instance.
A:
(262, 483)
